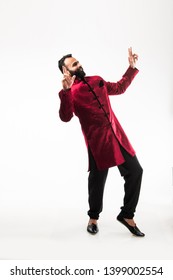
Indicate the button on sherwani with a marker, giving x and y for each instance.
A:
(90, 102)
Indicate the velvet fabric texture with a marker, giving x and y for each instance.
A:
(101, 129)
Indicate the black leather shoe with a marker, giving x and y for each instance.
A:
(92, 228)
(135, 230)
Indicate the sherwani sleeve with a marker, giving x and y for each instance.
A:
(66, 105)
(120, 86)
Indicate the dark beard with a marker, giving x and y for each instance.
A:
(79, 73)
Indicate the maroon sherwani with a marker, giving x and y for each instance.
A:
(102, 131)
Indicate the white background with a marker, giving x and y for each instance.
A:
(43, 161)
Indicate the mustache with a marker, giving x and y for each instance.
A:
(79, 73)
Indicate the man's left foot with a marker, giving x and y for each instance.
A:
(131, 226)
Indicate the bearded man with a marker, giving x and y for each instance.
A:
(88, 98)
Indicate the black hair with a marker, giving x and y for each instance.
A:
(61, 61)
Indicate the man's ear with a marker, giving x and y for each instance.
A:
(65, 70)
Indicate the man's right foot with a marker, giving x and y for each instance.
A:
(92, 226)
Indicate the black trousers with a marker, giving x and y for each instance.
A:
(130, 170)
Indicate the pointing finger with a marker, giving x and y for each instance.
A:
(130, 51)
(73, 78)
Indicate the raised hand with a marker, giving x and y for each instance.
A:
(67, 80)
(132, 58)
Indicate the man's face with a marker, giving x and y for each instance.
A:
(74, 67)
